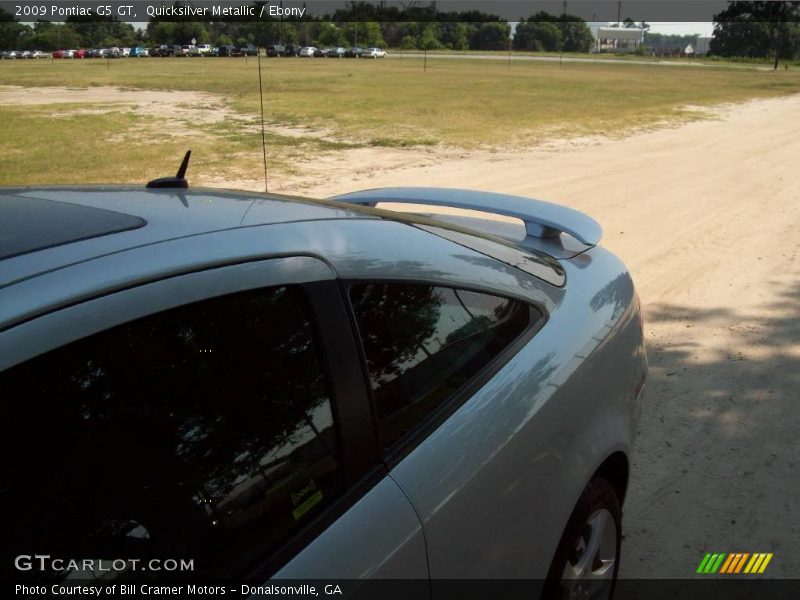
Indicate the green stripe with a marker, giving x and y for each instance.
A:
(718, 564)
(703, 563)
(711, 562)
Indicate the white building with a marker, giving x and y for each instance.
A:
(618, 39)
(702, 46)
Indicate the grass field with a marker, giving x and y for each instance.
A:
(394, 102)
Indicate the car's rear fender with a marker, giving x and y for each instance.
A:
(495, 484)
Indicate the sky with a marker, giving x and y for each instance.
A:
(682, 28)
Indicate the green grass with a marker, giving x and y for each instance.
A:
(387, 103)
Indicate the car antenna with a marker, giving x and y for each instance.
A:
(263, 132)
(179, 181)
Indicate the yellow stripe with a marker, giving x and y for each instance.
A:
(728, 561)
(741, 562)
(765, 563)
(754, 562)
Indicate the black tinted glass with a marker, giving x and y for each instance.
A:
(423, 343)
(202, 433)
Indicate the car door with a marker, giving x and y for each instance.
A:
(215, 422)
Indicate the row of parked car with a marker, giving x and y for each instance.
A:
(336, 52)
(136, 52)
(190, 50)
(5, 54)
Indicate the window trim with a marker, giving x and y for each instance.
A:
(538, 318)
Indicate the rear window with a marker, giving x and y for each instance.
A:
(423, 344)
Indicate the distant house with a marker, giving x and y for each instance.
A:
(702, 46)
(618, 39)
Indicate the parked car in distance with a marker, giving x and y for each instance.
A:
(248, 50)
(58, 53)
(138, 52)
(40, 54)
(337, 52)
(228, 50)
(204, 49)
(165, 50)
(80, 53)
(125, 52)
(373, 53)
(401, 396)
(290, 50)
(275, 50)
(353, 52)
(307, 51)
(190, 50)
(320, 52)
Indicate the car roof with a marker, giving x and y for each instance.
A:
(113, 237)
(51, 227)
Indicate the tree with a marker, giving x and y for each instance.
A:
(539, 36)
(330, 35)
(107, 32)
(366, 33)
(576, 35)
(491, 36)
(455, 35)
(409, 42)
(429, 37)
(757, 30)
(50, 36)
(11, 31)
(551, 33)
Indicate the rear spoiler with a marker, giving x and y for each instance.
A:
(542, 220)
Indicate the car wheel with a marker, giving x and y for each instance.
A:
(587, 559)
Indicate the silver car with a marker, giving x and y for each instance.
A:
(282, 388)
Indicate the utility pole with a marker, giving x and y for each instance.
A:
(563, 29)
(782, 26)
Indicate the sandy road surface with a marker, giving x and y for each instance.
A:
(707, 216)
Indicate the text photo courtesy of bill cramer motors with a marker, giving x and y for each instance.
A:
(453, 299)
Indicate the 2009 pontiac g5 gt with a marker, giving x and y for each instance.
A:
(276, 387)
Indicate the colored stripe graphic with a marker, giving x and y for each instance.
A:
(764, 564)
(754, 563)
(703, 563)
(727, 564)
(715, 567)
(734, 563)
(730, 564)
(740, 564)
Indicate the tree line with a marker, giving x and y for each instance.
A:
(743, 29)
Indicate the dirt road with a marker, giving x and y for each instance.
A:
(707, 216)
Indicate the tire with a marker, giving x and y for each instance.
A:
(586, 561)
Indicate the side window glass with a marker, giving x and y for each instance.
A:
(423, 343)
(203, 433)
